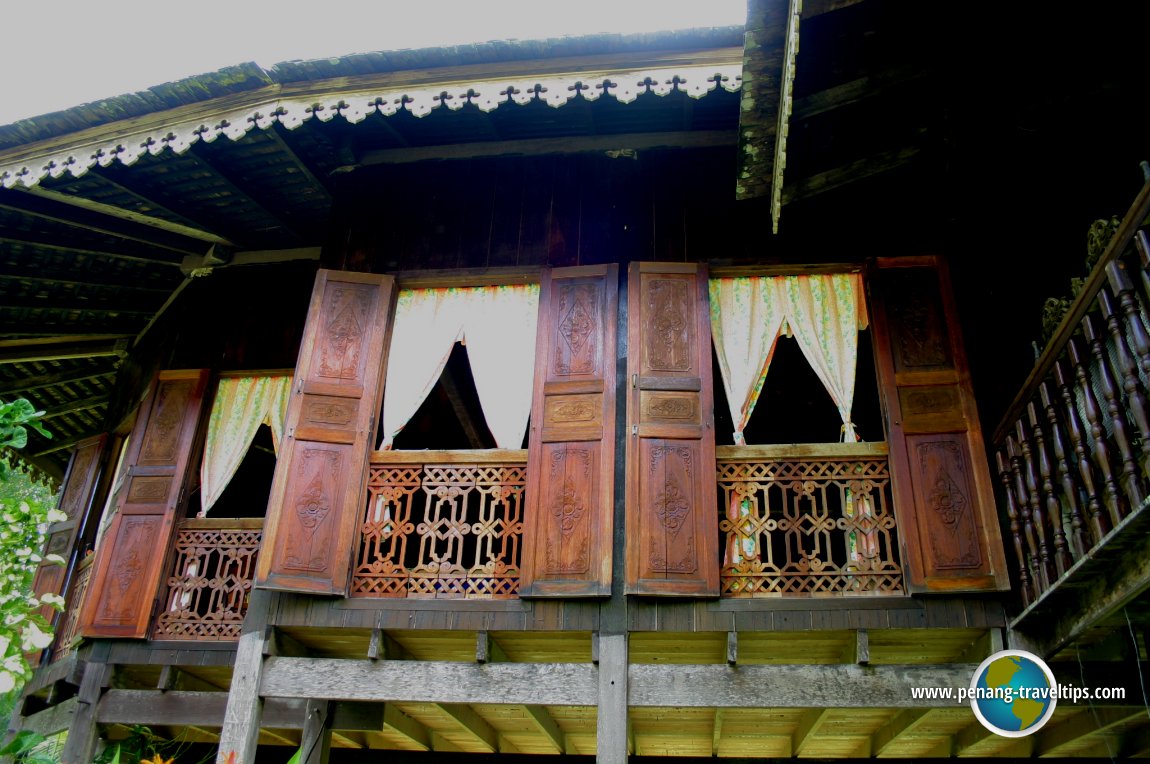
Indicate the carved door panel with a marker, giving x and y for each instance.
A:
(672, 516)
(944, 500)
(130, 564)
(75, 501)
(319, 488)
(571, 454)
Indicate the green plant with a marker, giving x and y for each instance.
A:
(24, 517)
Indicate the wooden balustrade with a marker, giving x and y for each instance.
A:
(807, 520)
(442, 524)
(1073, 451)
(210, 579)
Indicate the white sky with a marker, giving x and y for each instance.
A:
(60, 53)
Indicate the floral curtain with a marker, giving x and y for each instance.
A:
(497, 323)
(241, 405)
(824, 314)
(747, 316)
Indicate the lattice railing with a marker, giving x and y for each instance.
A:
(66, 636)
(807, 520)
(444, 524)
(210, 580)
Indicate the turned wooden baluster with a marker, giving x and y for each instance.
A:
(1131, 480)
(1132, 311)
(1128, 370)
(1049, 493)
(1034, 497)
(1077, 536)
(1006, 477)
(1023, 499)
(1097, 445)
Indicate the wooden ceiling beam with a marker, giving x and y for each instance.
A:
(111, 210)
(28, 384)
(59, 348)
(545, 724)
(901, 723)
(71, 302)
(11, 237)
(56, 211)
(717, 731)
(542, 146)
(228, 179)
(808, 729)
(279, 135)
(472, 723)
(1135, 744)
(487, 650)
(399, 723)
(162, 195)
(40, 276)
(466, 421)
(812, 8)
(67, 443)
(863, 88)
(813, 185)
(1095, 723)
(71, 407)
(46, 464)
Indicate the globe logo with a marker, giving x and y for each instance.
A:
(1013, 693)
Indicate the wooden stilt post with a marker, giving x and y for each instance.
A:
(611, 739)
(80, 747)
(316, 740)
(240, 734)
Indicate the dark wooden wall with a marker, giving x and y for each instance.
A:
(561, 210)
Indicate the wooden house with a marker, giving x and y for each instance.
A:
(644, 396)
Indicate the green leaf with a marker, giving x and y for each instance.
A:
(23, 742)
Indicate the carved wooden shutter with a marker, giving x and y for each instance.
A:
(672, 516)
(318, 492)
(130, 564)
(943, 495)
(75, 500)
(571, 455)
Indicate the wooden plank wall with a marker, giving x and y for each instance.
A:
(642, 615)
(561, 210)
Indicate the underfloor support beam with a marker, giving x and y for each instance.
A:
(611, 737)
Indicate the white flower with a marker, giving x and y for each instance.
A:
(34, 638)
(55, 600)
(55, 559)
(56, 516)
(7, 682)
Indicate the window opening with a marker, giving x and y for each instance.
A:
(450, 417)
(794, 406)
(246, 494)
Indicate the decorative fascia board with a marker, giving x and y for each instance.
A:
(355, 104)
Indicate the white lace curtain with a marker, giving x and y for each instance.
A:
(823, 312)
(497, 323)
(241, 405)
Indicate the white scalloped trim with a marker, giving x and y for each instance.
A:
(355, 106)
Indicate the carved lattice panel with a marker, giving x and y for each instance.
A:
(66, 633)
(808, 527)
(442, 531)
(209, 583)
